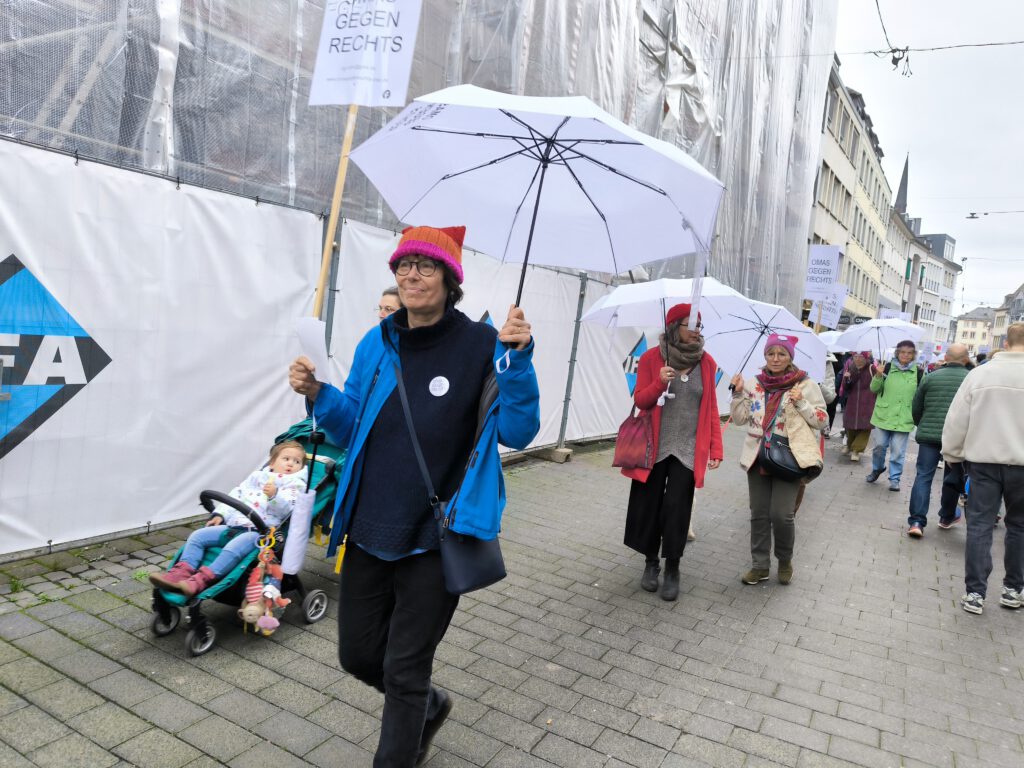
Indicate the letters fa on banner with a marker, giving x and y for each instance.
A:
(365, 52)
(46, 358)
(632, 361)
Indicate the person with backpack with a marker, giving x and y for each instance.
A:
(895, 386)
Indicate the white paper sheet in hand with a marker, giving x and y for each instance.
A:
(298, 533)
(312, 334)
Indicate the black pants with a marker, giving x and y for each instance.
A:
(391, 618)
(659, 510)
(830, 409)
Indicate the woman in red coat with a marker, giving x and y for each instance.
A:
(687, 441)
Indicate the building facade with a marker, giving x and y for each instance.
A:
(852, 198)
(1011, 311)
(975, 329)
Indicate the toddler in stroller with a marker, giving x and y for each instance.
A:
(260, 510)
(271, 492)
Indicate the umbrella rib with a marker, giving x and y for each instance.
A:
(604, 219)
(515, 216)
(448, 176)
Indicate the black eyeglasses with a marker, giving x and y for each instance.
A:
(384, 308)
(426, 267)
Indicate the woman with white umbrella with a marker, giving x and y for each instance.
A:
(768, 403)
(676, 381)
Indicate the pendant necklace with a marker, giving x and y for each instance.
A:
(684, 377)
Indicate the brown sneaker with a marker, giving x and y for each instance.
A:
(754, 575)
(785, 571)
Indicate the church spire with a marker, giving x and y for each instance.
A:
(901, 195)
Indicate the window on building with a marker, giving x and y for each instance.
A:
(844, 127)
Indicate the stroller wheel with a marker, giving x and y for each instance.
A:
(314, 606)
(198, 641)
(161, 627)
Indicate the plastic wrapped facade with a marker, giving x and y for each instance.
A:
(215, 92)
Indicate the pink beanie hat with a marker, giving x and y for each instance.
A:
(442, 244)
(788, 343)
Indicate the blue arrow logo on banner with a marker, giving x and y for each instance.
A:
(46, 357)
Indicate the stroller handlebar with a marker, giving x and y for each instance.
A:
(209, 498)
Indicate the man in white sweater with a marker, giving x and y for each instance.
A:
(985, 428)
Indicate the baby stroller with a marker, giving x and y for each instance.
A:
(168, 606)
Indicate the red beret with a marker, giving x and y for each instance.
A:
(679, 312)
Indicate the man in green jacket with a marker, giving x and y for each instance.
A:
(895, 386)
(930, 406)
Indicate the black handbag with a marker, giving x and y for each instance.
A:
(776, 457)
(468, 563)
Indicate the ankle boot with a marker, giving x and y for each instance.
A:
(177, 574)
(197, 582)
(649, 581)
(670, 584)
(785, 571)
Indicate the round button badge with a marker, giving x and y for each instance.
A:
(439, 386)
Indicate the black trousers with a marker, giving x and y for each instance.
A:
(391, 618)
(659, 510)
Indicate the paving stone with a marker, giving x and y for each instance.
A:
(571, 727)
(108, 725)
(559, 751)
(72, 751)
(29, 728)
(156, 749)
(267, 754)
(244, 709)
(9, 758)
(9, 652)
(510, 730)
(219, 738)
(170, 712)
(16, 625)
(346, 721)
(26, 674)
(126, 687)
(78, 624)
(64, 699)
(337, 752)
(85, 665)
(96, 601)
(293, 733)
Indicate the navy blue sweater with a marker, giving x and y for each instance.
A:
(444, 366)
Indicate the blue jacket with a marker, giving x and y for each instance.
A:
(348, 415)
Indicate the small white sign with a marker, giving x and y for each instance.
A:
(822, 271)
(893, 314)
(831, 308)
(312, 333)
(365, 52)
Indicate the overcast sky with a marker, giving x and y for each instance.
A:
(960, 116)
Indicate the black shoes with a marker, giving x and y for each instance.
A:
(874, 474)
(433, 725)
(670, 585)
(649, 581)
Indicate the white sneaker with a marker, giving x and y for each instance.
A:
(973, 603)
(854, 456)
(845, 449)
(1011, 598)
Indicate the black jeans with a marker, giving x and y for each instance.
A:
(391, 618)
(990, 484)
(659, 510)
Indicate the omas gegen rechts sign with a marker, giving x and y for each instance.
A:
(822, 271)
(365, 52)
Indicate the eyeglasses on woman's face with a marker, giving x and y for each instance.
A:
(384, 310)
(426, 267)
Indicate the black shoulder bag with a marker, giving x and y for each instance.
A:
(468, 563)
(776, 457)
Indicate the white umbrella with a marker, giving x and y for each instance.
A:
(879, 335)
(642, 305)
(829, 338)
(735, 331)
(555, 181)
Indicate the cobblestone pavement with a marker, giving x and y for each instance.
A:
(866, 659)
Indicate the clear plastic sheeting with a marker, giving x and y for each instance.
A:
(215, 93)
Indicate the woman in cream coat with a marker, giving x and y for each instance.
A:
(779, 393)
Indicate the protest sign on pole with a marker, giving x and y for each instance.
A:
(822, 271)
(365, 52)
(893, 314)
(829, 310)
(364, 58)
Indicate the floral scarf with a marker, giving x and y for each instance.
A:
(775, 386)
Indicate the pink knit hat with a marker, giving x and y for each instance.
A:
(443, 244)
(788, 343)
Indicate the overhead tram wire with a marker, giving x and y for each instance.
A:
(879, 52)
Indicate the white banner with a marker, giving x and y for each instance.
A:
(831, 308)
(893, 314)
(146, 332)
(365, 52)
(822, 271)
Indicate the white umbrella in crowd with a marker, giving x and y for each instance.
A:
(830, 339)
(554, 181)
(735, 327)
(879, 335)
